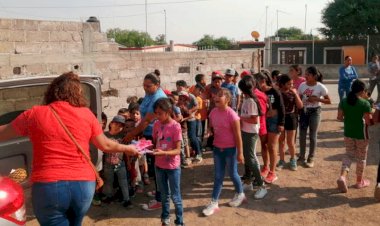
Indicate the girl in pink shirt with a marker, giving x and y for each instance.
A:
(225, 124)
(167, 137)
(295, 72)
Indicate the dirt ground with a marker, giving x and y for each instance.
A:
(304, 197)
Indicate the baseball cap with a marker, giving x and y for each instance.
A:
(245, 73)
(119, 119)
(230, 71)
(216, 73)
(184, 93)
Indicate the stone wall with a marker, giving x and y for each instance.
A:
(39, 48)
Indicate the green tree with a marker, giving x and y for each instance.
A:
(292, 33)
(130, 38)
(351, 19)
(160, 39)
(222, 43)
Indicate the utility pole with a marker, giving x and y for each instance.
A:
(266, 20)
(146, 16)
(277, 24)
(304, 30)
(165, 24)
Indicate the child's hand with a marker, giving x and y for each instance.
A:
(240, 158)
(158, 152)
(280, 128)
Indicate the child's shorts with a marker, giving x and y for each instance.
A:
(291, 121)
(272, 124)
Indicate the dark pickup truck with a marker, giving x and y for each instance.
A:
(18, 95)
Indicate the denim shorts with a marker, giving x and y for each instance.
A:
(272, 124)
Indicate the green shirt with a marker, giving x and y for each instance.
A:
(354, 124)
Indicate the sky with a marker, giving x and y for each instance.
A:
(186, 20)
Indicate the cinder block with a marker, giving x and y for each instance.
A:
(72, 47)
(124, 93)
(36, 69)
(28, 25)
(72, 26)
(133, 83)
(119, 83)
(60, 36)
(77, 37)
(51, 48)
(23, 48)
(6, 23)
(7, 47)
(57, 69)
(99, 37)
(106, 47)
(127, 74)
(50, 26)
(37, 36)
(17, 36)
(4, 34)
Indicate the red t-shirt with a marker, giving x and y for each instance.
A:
(263, 101)
(55, 156)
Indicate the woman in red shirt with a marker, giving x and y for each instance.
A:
(63, 181)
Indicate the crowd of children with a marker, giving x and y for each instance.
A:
(232, 117)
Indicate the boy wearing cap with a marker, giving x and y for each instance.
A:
(228, 84)
(114, 163)
(192, 106)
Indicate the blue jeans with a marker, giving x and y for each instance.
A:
(309, 119)
(343, 91)
(223, 157)
(121, 172)
(192, 133)
(168, 181)
(62, 203)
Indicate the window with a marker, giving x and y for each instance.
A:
(333, 56)
(292, 56)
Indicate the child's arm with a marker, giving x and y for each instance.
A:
(175, 151)
(252, 119)
(239, 143)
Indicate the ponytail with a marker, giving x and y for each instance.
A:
(356, 87)
(246, 85)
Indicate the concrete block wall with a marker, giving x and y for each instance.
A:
(39, 48)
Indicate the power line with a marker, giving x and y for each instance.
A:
(102, 6)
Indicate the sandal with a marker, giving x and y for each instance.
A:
(362, 184)
(342, 185)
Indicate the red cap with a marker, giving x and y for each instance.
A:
(245, 73)
(167, 92)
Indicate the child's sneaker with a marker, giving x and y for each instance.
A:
(211, 208)
(247, 187)
(309, 163)
(362, 184)
(264, 171)
(301, 160)
(342, 184)
(198, 159)
(280, 165)
(152, 205)
(377, 192)
(128, 204)
(165, 222)
(151, 194)
(271, 177)
(237, 200)
(293, 164)
(261, 193)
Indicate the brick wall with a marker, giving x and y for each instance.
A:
(38, 48)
